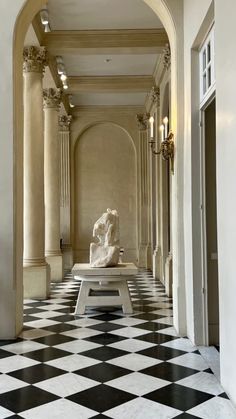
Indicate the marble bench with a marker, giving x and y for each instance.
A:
(103, 280)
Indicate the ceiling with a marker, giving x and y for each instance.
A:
(110, 49)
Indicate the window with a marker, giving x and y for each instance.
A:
(207, 66)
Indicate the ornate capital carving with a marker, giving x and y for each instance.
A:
(52, 98)
(166, 57)
(142, 120)
(155, 95)
(64, 122)
(35, 59)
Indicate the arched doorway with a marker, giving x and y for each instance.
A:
(20, 18)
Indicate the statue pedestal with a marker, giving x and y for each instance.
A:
(103, 280)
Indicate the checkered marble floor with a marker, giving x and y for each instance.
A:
(105, 364)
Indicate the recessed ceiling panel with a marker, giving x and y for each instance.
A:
(110, 65)
(101, 14)
(97, 99)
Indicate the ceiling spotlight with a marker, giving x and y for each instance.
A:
(63, 77)
(107, 60)
(65, 86)
(44, 17)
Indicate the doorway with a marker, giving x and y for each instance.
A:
(209, 224)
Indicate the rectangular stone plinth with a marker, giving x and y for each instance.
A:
(56, 264)
(124, 269)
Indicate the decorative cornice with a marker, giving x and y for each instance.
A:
(142, 120)
(52, 98)
(166, 57)
(64, 122)
(35, 59)
(155, 95)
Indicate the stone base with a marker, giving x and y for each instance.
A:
(36, 281)
(157, 263)
(149, 257)
(67, 257)
(142, 257)
(56, 265)
(169, 276)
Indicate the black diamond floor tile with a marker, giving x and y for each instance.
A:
(47, 354)
(4, 354)
(102, 372)
(178, 397)
(36, 373)
(162, 352)
(107, 317)
(105, 327)
(104, 353)
(64, 318)
(168, 371)
(156, 338)
(101, 398)
(60, 327)
(100, 417)
(52, 340)
(151, 326)
(148, 316)
(186, 416)
(30, 318)
(25, 398)
(105, 339)
(35, 310)
(9, 342)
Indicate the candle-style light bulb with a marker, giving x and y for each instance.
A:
(162, 132)
(151, 121)
(165, 122)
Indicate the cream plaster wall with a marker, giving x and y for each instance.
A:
(194, 14)
(225, 33)
(104, 166)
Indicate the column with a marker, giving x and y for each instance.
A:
(155, 97)
(65, 201)
(52, 100)
(142, 120)
(36, 270)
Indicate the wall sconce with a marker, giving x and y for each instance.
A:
(167, 142)
(44, 16)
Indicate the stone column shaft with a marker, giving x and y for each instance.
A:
(36, 272)
(65, 204)
(52, 98)
(143, 188)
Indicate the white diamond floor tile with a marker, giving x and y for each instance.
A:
(77, 346)
(59, 409)
(132, 345)
(138, 383)
(183, 344)
(190, 360)
(134, 361)
(142, 409)
(202, 381)
(66, 384)
(8, 383)
(72, 363)
(15, 362)
(216, 408)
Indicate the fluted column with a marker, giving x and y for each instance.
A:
(36, 270)
(65, 202)
(142, 120)
(52, 100)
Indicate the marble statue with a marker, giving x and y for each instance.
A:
(106, 251)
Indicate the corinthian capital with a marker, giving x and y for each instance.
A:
(52, 98)
(167, 56)
(35, 59)
(142, 120)
(155, 95)
(64, 122)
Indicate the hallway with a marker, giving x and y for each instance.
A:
(105, 364)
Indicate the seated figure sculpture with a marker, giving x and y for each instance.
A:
(106, 251)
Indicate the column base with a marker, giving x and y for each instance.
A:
(36, 281)
(142, 257)
(149, 257)
(67, 255)
(56, 265)
(169, 275)
(157, 263)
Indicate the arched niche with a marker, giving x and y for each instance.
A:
(104, 177)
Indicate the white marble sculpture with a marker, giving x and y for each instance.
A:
(106, 251)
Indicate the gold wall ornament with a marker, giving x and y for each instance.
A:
(142, 120)
(35, 59)
(52, 97)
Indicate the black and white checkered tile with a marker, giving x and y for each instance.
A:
(106, 364)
